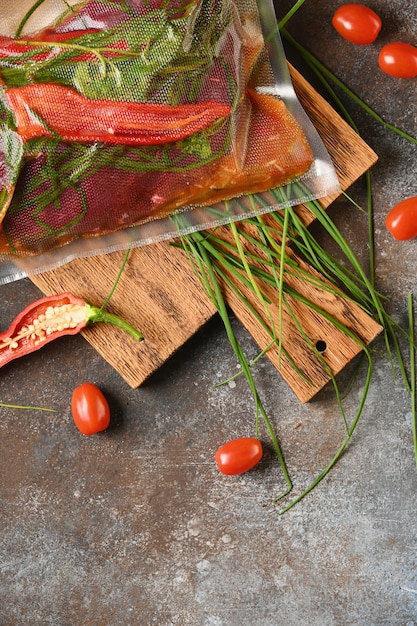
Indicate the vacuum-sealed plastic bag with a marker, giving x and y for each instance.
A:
(126, 122)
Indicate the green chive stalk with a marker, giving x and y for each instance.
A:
(201, 261)
(26, 407)
(411, 326)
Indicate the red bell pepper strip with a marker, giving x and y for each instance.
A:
(48, 110)
(49, 318)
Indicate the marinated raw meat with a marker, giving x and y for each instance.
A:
(112, 117)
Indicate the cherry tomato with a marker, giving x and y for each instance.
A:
(90, 409)
(401, 221)
(357, 23)
(398, 59)
(239, 455)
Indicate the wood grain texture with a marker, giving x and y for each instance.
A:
(160, 295)
(157, 294)
(311, 312)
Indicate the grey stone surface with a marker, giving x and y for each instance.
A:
(136, 527)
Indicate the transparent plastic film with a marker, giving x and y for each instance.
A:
(127, 122)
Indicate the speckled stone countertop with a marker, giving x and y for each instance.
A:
(136, 526)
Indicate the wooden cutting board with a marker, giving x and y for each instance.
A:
(159, 293)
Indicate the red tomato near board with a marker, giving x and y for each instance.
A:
(398, 59)
(90, 409)
(357, 23)
(401, 221)
(239, 455)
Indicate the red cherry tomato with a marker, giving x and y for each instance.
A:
(398, 59)
(239, 455)
(90, 409)
(357, 23)
(401, 221)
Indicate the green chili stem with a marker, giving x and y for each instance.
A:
(96, 314)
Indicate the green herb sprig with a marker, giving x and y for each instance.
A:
(27, 407)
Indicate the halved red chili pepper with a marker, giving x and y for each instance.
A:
(45, 110)
(49, 318)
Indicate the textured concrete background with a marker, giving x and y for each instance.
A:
(136, 527)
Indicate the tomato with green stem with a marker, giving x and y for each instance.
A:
(90, 409)
(398, 59)
(357, 23)
(239, 455)
(401, 221)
